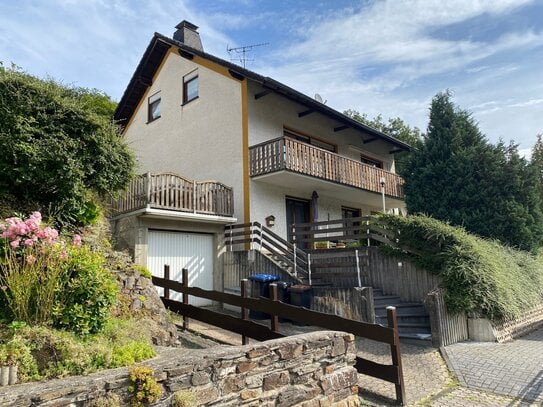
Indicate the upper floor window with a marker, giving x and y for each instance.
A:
(371, 161)
(153, 111)
(190, 87)
(310, 140)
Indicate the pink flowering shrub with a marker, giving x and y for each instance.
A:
(41, 274)
(24, 233)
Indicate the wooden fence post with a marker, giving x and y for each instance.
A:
(274, 317)
(396, 356)
(166, 277)
(244, 311)
(185, 283)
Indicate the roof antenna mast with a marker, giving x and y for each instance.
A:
(240, 53)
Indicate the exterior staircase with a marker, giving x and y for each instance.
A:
(413, 319)
(345, 268)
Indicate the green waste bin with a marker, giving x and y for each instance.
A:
(300, 295)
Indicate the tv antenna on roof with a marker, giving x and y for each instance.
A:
(240, 53)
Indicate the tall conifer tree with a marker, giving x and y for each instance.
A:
(456, 175)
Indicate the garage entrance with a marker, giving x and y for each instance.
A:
(193, 251)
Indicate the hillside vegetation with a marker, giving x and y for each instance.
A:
(59, 149)
(483, 277)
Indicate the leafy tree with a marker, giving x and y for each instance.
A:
(456, 175)
(59, 148)
(396, 128)
(537, 156)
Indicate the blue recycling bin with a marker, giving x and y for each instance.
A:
(260, 287)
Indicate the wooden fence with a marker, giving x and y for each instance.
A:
(361, 231)
(391, 373)
(173, 192)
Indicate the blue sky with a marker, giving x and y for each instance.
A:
(387, 57)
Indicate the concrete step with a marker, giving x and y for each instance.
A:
(401, 308)
(414, 329)
(421, 339)
(410, 318)
(377, 292)
(386, 300)
(410, 328)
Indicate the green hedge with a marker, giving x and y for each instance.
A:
(483, 277)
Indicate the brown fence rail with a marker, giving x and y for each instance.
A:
(389, 334)
(288, 154)
(293, 258)
(357, 231)
(173, 192)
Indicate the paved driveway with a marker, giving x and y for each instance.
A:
(514, 369)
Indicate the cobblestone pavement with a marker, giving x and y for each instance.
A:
(463, 397)
(514, 369)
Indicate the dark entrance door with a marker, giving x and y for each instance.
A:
(347, 213)
(298, 211)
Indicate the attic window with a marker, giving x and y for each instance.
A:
(190, 87)
(153, 112)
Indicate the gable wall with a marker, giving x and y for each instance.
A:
(201, 140)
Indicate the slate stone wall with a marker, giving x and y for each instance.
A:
(310, 370)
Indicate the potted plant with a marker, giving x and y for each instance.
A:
(322, 244)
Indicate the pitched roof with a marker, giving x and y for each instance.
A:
(157, 49)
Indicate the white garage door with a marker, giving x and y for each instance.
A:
(193, 251)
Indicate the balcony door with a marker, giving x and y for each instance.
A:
(298, 211)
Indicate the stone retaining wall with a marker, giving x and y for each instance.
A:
(139, 298)
(314, 369)
(484, 330)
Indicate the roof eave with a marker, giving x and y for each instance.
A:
(265, 81)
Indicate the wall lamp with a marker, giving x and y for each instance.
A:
(270, 221)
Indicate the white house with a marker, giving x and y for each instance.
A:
(270, 151)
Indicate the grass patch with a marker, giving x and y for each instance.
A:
(483, 277)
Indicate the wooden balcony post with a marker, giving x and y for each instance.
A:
(194, 196)
(148, 192)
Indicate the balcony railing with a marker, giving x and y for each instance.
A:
(287, 154)
(173, 192)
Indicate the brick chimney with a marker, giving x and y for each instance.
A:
(187, 33)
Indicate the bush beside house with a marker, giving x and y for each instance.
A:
(483, 277)
(59, 149)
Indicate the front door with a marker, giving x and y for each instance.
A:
(298, 211)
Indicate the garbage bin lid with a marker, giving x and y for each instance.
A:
(298, 288)
(264, 278)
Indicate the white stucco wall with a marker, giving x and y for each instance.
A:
(269, 114)
(269, 199)
(201, 140)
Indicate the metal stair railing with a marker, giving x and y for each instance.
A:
(254, 235)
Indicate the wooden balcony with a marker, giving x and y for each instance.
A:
(286, 154)
(173, 192)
